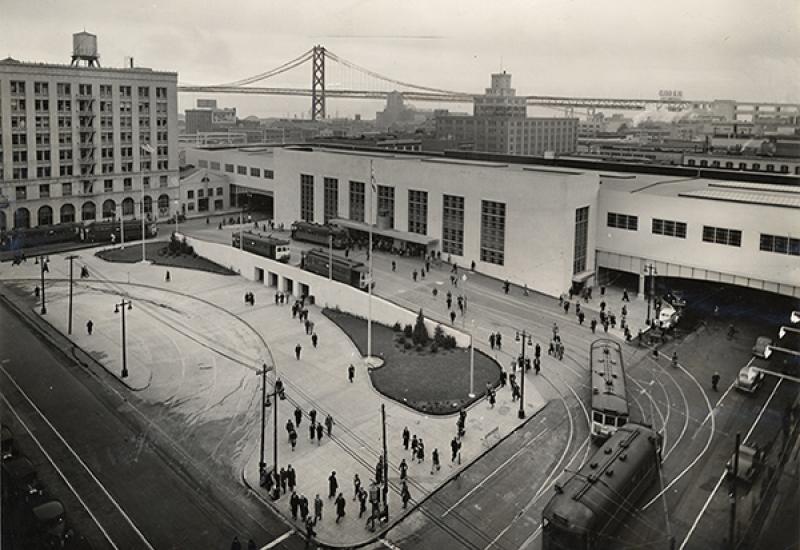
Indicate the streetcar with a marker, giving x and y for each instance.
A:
(609, 398)
(344, 270)
(17, 239)
(586, 510)
(267, 246)
(317, 233)
(97, 232)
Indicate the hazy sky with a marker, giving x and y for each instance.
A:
(739, 49)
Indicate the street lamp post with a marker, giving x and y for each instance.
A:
(177, 204)
(471, 362)
(524, 338)
(265, 402)
(650, 270)
(42, 268)
(71, 257)
(369, 252)
(117, 308)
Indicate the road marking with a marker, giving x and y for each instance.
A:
(493, 473)
(279, 540)
(388, 544)
(725, 472)
(60, 473)
(80, 461)
(724, 395)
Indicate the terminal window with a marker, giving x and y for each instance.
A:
(581, 239)
(357, 201)
(493, 232)
(780, 244)
(418, 212)
(386, 203)
(453, 225)
(241, 170)
(331, 198)
(721, 235)
(623, 221)
(269, 174)
(229, 168)
(669, 228)
(255, 172)
(307, 197)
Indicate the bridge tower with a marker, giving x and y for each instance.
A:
(318, 83)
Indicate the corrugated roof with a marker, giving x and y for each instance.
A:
(758, 186)
(745, 197)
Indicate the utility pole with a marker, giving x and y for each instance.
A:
(650, 271)
(117, 308)
(42, 268)
(369, 253)
(330, 256)
(732, 526)
(385, 463)
(71, 257)
(524, 338)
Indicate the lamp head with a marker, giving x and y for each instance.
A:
(516, 338)
(795, 317)
(767, 352)
(782, 332)
(116, 308)
(130, 306)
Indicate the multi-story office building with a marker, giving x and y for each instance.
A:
(85, 143)
(500, 125)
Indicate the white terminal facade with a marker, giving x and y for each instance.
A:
(84, 143)
(546, 224)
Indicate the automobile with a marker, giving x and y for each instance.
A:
(49, 523)
(675, 299)
(7, 443)
(760, 347)
(749, 379)
(668, 317)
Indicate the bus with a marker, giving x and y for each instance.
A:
(320, 234)
(609, 398)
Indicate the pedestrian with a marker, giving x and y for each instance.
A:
(435, 292)
(566, 308)
(625, 296)
(602, 305)
(312, 429)
(314, 339)
(452, 317)
(435, 461)
(362, 502)
(537, 365)
(403, 469)
(405, 494)
(298, 416)
(503, 376)
(340, 505)
(317, 508)
(306, 325)
(294, 504)
(498, 340)
(284, 479)
(356, 486)
(320, 432)
(420, 451)
(394, 265)
(605, 327)
(492, 399)
(235, 545)
(414, 275)
(333, 485)
(310, 533)
(329, 424)
(580, 318)
(297, 349)
(453, 449)
(289, 426)
(89, 326)
(449, 301)
(293, 439)
(167, 277)
(312, 414)
(414, 445)
(294, 310)
(303, 507)
(506, 286)
(351, 372)
(593, 325)
(714, 381)
(491, 339)
(406, 437)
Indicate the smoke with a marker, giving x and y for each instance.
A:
(663, 115)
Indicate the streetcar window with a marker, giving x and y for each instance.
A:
(597, 417)
(621, 421)
(610, 420)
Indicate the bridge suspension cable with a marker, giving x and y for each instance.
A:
(379, 76)
(297, 61)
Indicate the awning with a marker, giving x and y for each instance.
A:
(582, 277)
(392, 233)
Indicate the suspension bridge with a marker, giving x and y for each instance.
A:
(380, 86)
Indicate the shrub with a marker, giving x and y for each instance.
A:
(449, 342)
(434, 347)
(419, 347)
(407, 344)
(408, 331)
(438, 335)
(400, 339)
(397, 327)
(420, 335)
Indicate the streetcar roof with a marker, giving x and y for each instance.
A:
(608, 377)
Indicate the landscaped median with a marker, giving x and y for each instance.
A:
(172, 253)
(431, 376)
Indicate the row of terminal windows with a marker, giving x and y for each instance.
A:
(623, 221)
(238, 169)
(780, 244)
(755, 166)
(201, 192)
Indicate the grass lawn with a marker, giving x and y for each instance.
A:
(159, 253)
(433, 383)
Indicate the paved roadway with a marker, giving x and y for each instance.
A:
(129, 483)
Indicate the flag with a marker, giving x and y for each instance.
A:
(372, 178)
(147, 148)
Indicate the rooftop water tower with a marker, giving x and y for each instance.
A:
(84, 48)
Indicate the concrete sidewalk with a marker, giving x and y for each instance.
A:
(194, 347)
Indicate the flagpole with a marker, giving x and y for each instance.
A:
(369, 252)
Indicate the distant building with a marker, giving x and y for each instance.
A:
(84, 143)
(500, 124)
(209, 118)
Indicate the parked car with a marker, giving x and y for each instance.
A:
(675, 299)
(749, 379)
(760, 347)
(668, 317)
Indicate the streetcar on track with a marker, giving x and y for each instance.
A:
(320, 234)
(100, 232)
(587, 509)
(263, 245)
(344, 270)
(92, 232)
(609, 398)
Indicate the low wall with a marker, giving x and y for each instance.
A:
(326, 293)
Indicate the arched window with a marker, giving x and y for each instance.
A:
(109, 209)
(148, 204)
(128, 207)
(67, 213)
(45, 216)
(88, 212)
(22, 218)
(163, 205)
